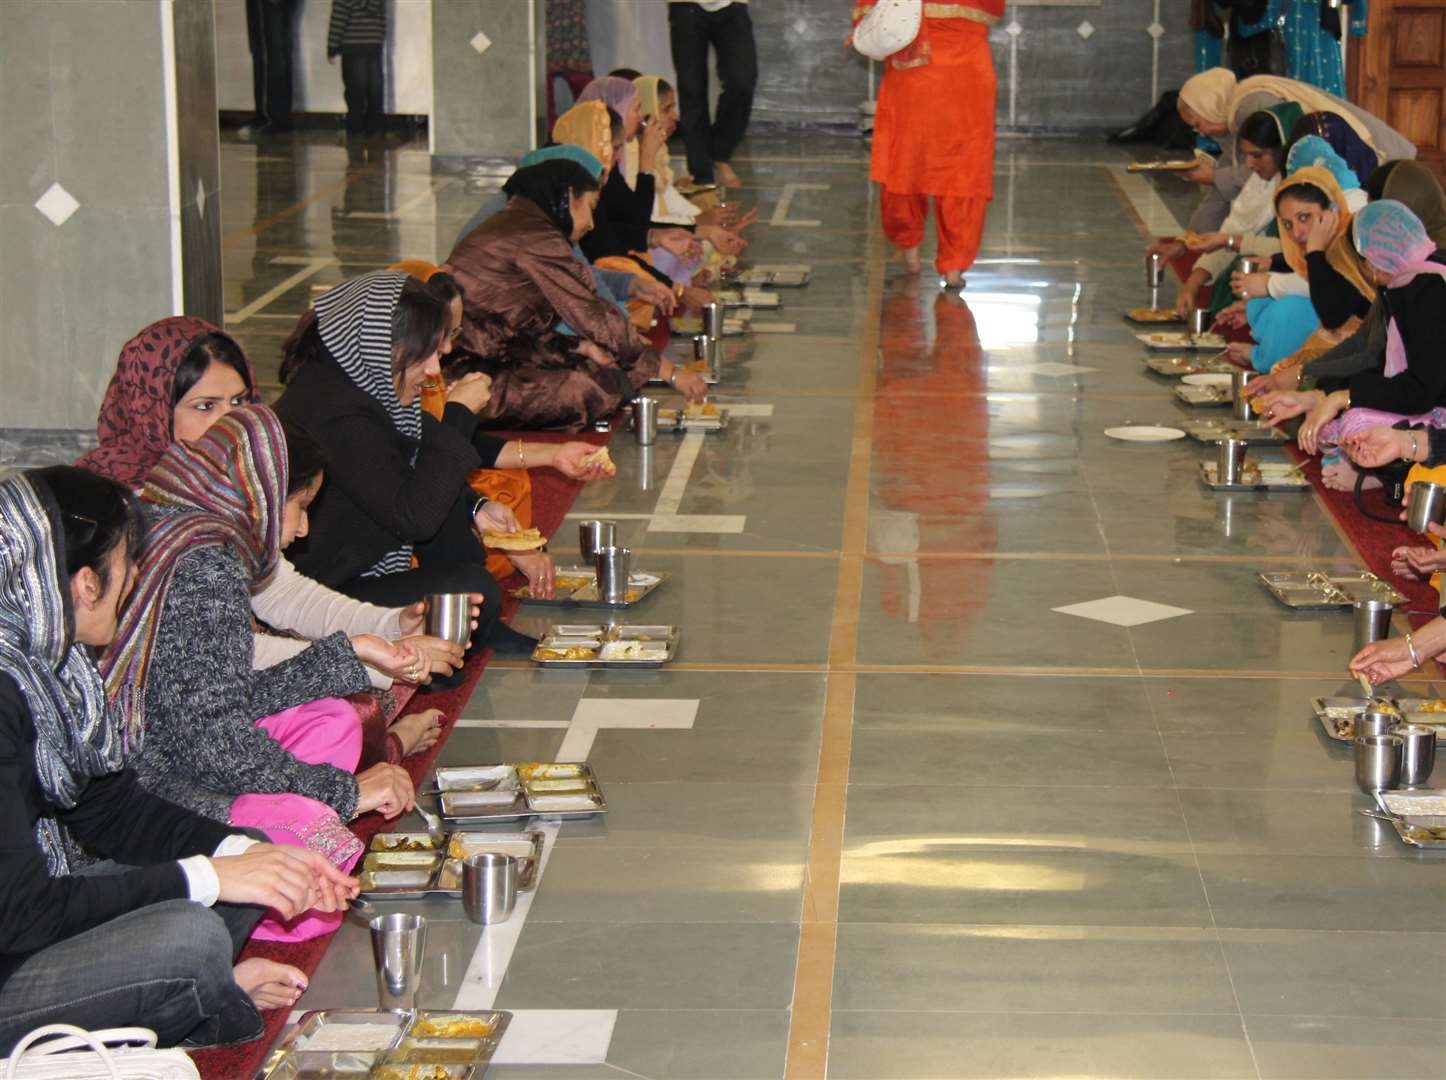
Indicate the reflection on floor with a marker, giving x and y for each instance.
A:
(903, 816)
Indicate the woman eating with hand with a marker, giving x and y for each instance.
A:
(149, 935)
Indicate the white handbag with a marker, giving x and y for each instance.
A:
(73, 1053)
(889, 27)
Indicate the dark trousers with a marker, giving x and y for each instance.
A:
(366, 93)
(270, 31)
(730, 33)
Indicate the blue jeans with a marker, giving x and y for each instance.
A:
(166, 967)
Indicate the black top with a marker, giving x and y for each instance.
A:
(376, 497)
(115, 818)
(1332, 295)
(356, 24)
(1416, 308)
(621, 219)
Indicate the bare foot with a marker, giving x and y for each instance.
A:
(911, 259)
(954, 279)
(418, 731)
(1341, 476)
(724, 174)
(268, 984)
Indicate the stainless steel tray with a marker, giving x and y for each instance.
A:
(1177, 367)
(410, 1043)
(446, 874)
(577, 586)
(1215, 429)
(1313, 590)
(1418, 816)
(690, 327)
(757, 299)
(678, 420)
(780, 277)
(1180, 341)
(1337, 715)
(1203, 397)
(456, 783)
(1173, 320)
(660, 642)
(1274, 476)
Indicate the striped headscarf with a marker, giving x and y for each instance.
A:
(355, 320)
(228, 488)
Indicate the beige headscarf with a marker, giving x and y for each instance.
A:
(1208, 95)
(648, 86)
(1306, 96)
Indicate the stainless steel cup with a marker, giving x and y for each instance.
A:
(399, 947)
(592, 535)
(708, 349)
(1251, 264)
(489, 887)
(1372, 621)
(1199, 321)
(1230, 460)
(713, 320)
(645, 420)
(1378, 762)
(614, 565)
(1154, 270)
(647, 469)
(1373, 722)
(1239, 403)
(1426, 505)
(449, 617)
(1418, 754)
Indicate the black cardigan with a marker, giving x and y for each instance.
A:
(115, 818)
(375, 497)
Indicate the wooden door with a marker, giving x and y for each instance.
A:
(1403, 72)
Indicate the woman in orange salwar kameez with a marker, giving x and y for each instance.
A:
(934, 134)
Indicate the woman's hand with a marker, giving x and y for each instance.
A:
(538, 568)
(1379, 446)
(395, 659)
(288, 880)
(439, 656)
(1202, 173)
(386, 789)
(1231, 318)
(695, 298)
(1276, 381)
(690, 384)
(1206, 242)
(596, 353)
(1240, 352)
(1418, 562)
(652, 291)
(724, 241)
(1324, 228)
(1382, 661)
(1285, 404)
(680, 242)
(413, 624)
(1322, 412)
(1185, 298)
(568, 460)
(653, 138)
(1169, 248)
(473, 390)
(1250, 286)
(493, 516)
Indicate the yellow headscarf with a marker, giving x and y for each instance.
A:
(1208, 95)
(587, 125)
(648, 95)
(1340, 252)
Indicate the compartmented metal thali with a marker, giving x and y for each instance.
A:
(1214, 429)
(680, 420)
(606, 645)
(1181, 340)
(414, 866)
(781, 277)
(1203, 397)
(1419, 817)
(1151, 316)
(1177, 367)
(1337, 715)
(1315, 590)
(578, 585)
(332, 1044)
(760, 299)
(483, 794)
(1257, 476)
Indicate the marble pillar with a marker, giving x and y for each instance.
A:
(109, 192)
(487, 70)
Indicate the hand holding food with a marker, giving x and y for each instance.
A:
(1382, 661)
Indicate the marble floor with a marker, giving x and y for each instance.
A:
(895, 814)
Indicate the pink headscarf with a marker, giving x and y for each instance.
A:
(1391, 238)
(618, 94)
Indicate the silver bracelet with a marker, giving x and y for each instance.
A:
(1411, 648)
(1414, 448)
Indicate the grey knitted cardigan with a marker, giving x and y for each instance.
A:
(202, 747)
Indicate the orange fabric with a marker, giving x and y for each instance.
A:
(510, 487)
(958, 221)
(934, 124)
(640, 312)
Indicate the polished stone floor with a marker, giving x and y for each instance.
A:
(893, 814)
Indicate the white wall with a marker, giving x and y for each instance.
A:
(318, 84)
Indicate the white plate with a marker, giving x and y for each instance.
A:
(1208, 378)
(1144, 433)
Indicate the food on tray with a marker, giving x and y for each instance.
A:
(600, 456)
(1145, 314)
(361, 1037)
(633, 650)
(568, 581)
(548, 770)
(403, 842)
(697, 367)
(571, 652)
(439, 1051)
(463, 845)
(696, 410)
(1436, 705)
(451, 1027)
(413, 1072)
(521, 540)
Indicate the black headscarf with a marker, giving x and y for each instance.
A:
(548, 184)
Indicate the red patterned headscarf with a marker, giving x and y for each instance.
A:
(135, 421)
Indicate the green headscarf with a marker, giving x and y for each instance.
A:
(1414, 184)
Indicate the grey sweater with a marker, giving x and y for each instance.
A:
(202, 747)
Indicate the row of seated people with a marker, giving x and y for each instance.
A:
(1348, 321)
(176, 780)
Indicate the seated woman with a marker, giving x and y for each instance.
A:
(1403, 259)
(1315, 225)
(1250, 227)
(1216, 105)
(274, 750)
(519, 279)
(354, 368)
(174, 380)
(149, 936)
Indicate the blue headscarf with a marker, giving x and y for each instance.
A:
(1312, 150)
(565, 152)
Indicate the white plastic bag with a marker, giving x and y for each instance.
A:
(82, 1055)
(891, 25)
